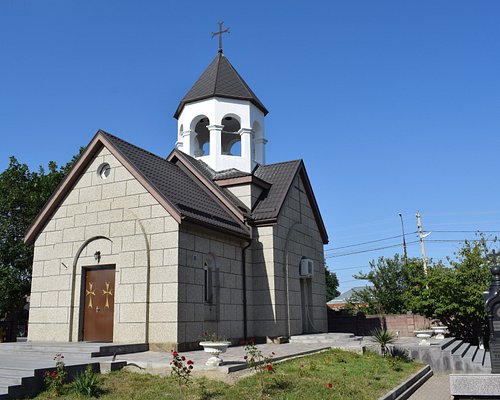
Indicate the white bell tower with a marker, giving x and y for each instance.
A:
(221, 121)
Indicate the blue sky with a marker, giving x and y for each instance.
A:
(394, 106)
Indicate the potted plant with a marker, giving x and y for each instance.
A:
(215, 345)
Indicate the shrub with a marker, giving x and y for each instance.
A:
(87, 383)
(55, 380)
(258, 362)
(383, 337)
(181, 370)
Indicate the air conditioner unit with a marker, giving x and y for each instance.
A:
(306, 267)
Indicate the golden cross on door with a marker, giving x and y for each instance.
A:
(220, 32)
(107, 293)
(90, 293)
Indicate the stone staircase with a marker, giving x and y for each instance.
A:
(22, 365)
(452, 356)
(343, 341)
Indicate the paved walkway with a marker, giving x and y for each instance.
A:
(436, 388)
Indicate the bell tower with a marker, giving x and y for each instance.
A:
(221, 120)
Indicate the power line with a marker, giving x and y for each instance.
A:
(371, 241)
(343, 269)
(476, 231)
(366, 251)
(459, 240)
(353, 280)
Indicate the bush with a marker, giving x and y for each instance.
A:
(87, 383)
(383, 337)
(398, 353)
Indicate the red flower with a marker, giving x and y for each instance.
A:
(175, 354)
(189, 362)
(243, 342)
(269, 368)
(62, 356)
(183, 358)
(252, 340)
(53, 374)
(330, 386)
(245, 357)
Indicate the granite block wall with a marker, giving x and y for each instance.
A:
(140, 239)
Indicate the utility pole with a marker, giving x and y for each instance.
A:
(404, 240)
(421, 235)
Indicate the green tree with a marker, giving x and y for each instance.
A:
(390, 279)
(454, 295)
(332, 284)
(22, 195)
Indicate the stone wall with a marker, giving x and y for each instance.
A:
(222, 312)
(141, 242)
(362, 325)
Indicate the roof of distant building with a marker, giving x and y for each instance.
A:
(344, 297)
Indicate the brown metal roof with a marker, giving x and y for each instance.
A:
(275, 179)
(190, 190)
(176, 186)
(220, 79)
(181, 196)
(280, 176)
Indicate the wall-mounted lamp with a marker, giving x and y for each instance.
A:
(97, 256)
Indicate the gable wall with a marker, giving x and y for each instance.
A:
(295, 235)
(142, 235)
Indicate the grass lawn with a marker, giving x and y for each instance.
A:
(351, 376)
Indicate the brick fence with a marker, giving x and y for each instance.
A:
(362, 325)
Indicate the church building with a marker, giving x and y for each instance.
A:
(133, 247)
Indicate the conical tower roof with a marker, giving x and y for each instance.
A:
(220, 79)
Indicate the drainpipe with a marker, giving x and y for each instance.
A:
(244, 273)
(287, 277)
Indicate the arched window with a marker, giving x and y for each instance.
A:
(231, 140)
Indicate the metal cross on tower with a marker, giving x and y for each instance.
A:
(220, 32)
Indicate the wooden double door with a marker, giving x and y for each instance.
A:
(99, 305)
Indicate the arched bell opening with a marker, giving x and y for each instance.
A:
(230, 137)
(201, 144)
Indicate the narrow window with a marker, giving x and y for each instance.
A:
(205, 288)
(208, 283)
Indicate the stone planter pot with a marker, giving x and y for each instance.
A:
(439, 331)
(423, 334)
(215, 348)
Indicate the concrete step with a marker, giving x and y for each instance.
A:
(10, 381)
(13, 373)
(22, 365)
(80, 348)
(479, 357)
(445, 343)
(453, 346)
(487, 361)
(461, 350)
(471, 352)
